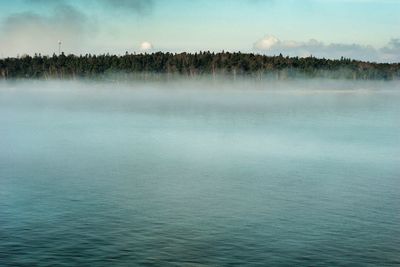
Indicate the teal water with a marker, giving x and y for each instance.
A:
(197, 175)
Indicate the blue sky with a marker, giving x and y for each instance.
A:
(363, 29)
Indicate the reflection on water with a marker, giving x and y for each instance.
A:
(192, 174)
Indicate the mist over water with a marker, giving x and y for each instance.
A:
(193, 173)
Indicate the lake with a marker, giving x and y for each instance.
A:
(199, 173)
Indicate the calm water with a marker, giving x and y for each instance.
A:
(196, 175)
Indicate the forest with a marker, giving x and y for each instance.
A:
(193, 64)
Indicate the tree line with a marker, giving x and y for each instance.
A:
(193, 64)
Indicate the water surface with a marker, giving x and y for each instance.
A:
(201, 174)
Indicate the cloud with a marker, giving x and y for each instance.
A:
(146, 46)
(139, 6)
(46, 2)
(391, 52)
(38, 29)
(272, 45)
(393, 47)
(267, 43)
(29, 32)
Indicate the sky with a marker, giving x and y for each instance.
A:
(361, 29)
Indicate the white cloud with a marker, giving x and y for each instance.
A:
(146, 46)
(266, 43)
(272, 45)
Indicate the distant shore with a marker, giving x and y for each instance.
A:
(192, 65)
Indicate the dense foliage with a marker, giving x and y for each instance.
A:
(280, 67)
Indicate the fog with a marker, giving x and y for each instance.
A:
(132, 93)
(300, 116)
(211, 172)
